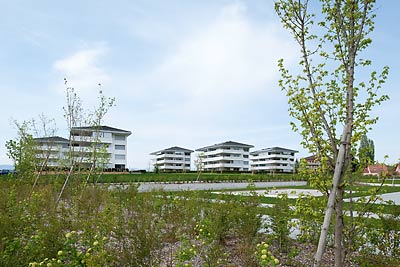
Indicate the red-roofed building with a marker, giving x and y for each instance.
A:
(376, 169)
(397, 170)
(312, 162)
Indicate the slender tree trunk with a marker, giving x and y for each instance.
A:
(65, 184)
(38, 176)
(337, 178)
(339, 251)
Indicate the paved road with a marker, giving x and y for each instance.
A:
(146, 187)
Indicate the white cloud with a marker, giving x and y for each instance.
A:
(228, 58)
(82, 69)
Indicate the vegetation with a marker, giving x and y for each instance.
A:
(94, 226)
(366, 151)
(330, 109)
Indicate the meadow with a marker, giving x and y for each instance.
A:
(95, 226)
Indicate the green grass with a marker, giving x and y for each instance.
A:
(191, 176)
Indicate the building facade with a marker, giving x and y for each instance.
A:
(274, 160)
(227, 156)
(113, 140)
(376, 170)
(104, 146)
(51, 150)
(312, 162)
(173, 159)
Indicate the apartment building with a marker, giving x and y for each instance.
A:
(273, 159)
(51, 150)
(173, 159)
(109, 142)
(112, 139)
(227, 156)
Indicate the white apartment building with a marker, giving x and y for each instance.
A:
(173, 159)
(227, 156)
(114, 140)
(274, 159)
(83, 140)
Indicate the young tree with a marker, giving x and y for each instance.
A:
(95, 155)
(324, 95)
(366, 151)
(44, 128)
(22, 150)
(199, 165)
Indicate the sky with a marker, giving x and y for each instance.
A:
(183, 73)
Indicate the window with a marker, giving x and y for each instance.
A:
(119, 137)
(119, 147)
(119, 157)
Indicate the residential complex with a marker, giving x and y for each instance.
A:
(173, 159)
(109, 143)
(274, 160)
(227, 156)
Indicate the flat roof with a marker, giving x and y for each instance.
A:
(102, 128)
(274, 149)
(225, 144)
(53, 139)
(174, 148)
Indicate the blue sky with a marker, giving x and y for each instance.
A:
(185, 73)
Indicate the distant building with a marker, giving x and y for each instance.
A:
(227, 156)
(397, 169)
(113, 139)
(376, 169)
(83, 139)
(51, 150)
(173, 159)
(274, 159)
(312, 162)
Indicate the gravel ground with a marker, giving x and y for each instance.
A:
(304, 257)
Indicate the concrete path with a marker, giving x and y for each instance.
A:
(395, 197)
(376, 184)
(147, 187)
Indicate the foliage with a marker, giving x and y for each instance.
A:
(22, 151)
(281, 222)
(308, 213)
(325, 95)
(366, 152)
(265, 257)
(123, 227)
